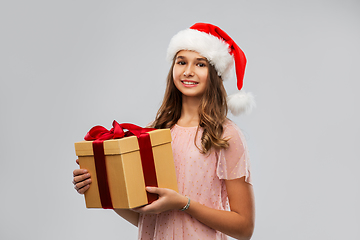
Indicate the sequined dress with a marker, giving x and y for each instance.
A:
(200, 177)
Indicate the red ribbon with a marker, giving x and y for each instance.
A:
(99, 134)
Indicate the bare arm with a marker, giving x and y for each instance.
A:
(238, 222)
(129, 215)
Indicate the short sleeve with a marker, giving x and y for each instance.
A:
(233, 162)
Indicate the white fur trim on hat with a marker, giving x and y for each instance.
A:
(241, 102)
(215, 50)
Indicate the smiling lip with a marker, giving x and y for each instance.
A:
(189, 83)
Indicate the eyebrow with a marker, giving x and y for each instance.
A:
(199, 59)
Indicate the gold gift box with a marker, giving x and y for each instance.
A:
(124, 169)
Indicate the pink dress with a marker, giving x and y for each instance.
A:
(201, 178)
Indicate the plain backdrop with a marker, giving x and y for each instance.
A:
(66, 66)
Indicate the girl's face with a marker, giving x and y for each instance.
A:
(190, 73)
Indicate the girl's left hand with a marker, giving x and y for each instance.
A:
(168, 200)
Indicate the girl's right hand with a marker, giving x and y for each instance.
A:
(81, 180)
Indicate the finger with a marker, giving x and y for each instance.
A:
(77, 172)
(152, 208)
(153, 190)
(77, 161)
(143, 209)
(82, 184)
(80, 178)
(138, 209)
(83, 189)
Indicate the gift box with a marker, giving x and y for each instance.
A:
(126, 165)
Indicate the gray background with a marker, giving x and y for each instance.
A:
(66, 66)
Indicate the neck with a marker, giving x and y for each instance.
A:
(189, 112)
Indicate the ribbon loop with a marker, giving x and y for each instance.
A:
(136, 130)
(101, 133)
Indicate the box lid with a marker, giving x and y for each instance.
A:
(123, 145)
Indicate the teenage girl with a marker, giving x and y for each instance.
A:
(215, 196)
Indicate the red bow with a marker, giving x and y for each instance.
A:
(101, 133)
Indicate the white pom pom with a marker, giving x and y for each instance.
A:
(241, 102)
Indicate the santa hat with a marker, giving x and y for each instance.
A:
(221, 51)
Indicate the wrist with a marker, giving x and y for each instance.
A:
(186, 205)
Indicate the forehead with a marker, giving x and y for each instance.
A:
(190, 54)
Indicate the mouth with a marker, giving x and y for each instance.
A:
(189, 83)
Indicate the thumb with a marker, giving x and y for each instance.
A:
(152, 189)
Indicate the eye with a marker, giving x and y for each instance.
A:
(201, 64)
(181, 62)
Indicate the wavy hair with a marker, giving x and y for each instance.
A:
(212, 110)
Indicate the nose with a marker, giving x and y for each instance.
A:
(189, 71)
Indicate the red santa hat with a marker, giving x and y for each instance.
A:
(221, 51)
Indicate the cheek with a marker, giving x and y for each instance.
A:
(176, 71)
(204, 76)
(176, 76)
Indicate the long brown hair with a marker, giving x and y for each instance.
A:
(212, 110)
